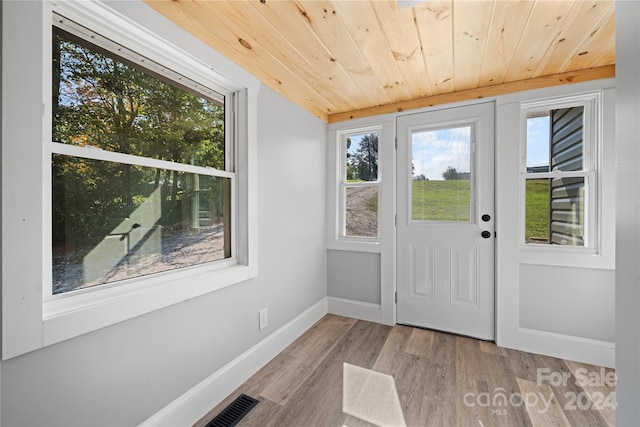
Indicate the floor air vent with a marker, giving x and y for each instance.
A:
(232, 414)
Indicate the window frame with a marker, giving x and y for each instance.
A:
(343, 185)
(32, 317)
(592, 147)
(87, 152)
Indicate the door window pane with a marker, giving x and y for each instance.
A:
(441, 175)
(114, 221)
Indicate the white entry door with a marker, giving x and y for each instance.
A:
(445, 230)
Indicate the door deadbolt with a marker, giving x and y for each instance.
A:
(486, 217)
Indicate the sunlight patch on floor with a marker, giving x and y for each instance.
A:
(371, 396)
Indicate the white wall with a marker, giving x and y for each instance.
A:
(628, 213)
(574, 302)
(121, 375)
(354, 276)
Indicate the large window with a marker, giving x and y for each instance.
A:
(359, 184)
(142, 176)
(128, 171)
(559, 173)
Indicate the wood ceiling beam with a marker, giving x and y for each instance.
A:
(603, 72)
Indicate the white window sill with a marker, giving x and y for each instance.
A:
(565, 257)
(356, 245)
(69, 315)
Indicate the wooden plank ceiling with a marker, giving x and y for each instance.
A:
(342, 59)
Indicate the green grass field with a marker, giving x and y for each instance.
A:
(449, 201)
(441, 200)
(537, 210)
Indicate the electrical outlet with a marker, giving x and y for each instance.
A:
(264, 318)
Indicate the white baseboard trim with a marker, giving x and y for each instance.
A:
(585, 350)
(356, 309)
(195, 403)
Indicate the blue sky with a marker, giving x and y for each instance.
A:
(355, 143)
(433, 151)
(538, 141)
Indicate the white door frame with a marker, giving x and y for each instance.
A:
(489, 161)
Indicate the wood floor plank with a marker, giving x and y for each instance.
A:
(599, 384)
(420, 342)
(490, 347)
(321, 337)
(468, 362)
(501, 380)
(304, 355)
(318, 401)
(412, 376)
(282, 387)
(439, 402)
(567, 392)
(261, 414)
(470, 387)
(541, 404)
(350, 421)
(352, 373)
(388, 360)
(472, 408)
(400, 358)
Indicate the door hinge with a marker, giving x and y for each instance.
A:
(395, 297)
(396, 143)
(395, 220)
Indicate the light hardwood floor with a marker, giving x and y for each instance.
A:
(347, 372)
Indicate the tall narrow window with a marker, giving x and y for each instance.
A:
(142, 177)
(559, 175)
(359, 184)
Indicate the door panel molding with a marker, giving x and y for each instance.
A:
(472, 285)
(422, 285)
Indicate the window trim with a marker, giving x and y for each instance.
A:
(343, 185)
(592, 165)
(31, 320)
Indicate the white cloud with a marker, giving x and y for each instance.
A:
(435, 150)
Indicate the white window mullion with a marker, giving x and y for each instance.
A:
(93, 153)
